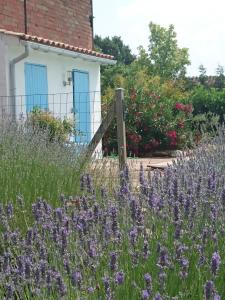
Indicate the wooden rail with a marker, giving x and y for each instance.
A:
(116, 110)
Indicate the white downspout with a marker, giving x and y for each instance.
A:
(12, 80)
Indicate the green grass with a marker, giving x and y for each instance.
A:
(32, 167)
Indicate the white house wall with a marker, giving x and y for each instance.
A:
(60, 97)
(3, 77)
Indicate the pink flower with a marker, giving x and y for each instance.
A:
(172, 134)
(179, 106)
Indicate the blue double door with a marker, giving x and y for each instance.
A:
(36, 86)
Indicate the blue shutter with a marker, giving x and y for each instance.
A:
(36, 87)
(81, 99)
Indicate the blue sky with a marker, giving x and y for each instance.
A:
(200, 25)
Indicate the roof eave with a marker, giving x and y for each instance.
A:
(68, 53)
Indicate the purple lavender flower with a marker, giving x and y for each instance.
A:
(66, 265)
(15, 237)
(126, 173)
(134, 256)
(180, 248)
(133, 236)
(61, 287)
(157, 297)
(162, 278)
(28, 267)
(9, 291)
(59, 213)
(37, 275)
(211, 183)
(113, 261)
(176, 212)
(90, 290)
(145, 295)
(181, 198)
(64, 234)
(9, 210)
(106, 283)
(215, 262)
(43, 252)
(209, 290)
(148, 279)
(184, 268)
(96, 211)
(187, 205)
(119, 278)
(163, 258)
(49, 278)
(107, 287)
(43, 268)
(76, 278)
(214, 212)
(92, 252)
(146, 251)
(113, 214)
(217, 297)
(175, 188)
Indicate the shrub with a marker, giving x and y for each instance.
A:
(56, 128)
(208, 100)
(155, 119)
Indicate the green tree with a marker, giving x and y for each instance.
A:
(165, 58)
(202, 75)
(115, 46)
(219, 82)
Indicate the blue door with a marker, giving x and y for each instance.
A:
(36, 86)
(81, 104)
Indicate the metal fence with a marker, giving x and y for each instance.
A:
(83, 109)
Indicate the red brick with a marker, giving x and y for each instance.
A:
(62, 20)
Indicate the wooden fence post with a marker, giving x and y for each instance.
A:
(121, 131)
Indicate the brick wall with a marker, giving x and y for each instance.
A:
(12, 15)
(60, 20)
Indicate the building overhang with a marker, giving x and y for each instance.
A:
(46, 45)
(68, 53)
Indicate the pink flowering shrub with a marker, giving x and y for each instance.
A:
(153, 122)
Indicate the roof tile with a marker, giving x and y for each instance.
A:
(52, 43)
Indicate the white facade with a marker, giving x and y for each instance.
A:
(58, 63)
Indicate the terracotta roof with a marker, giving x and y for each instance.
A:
(47, 42)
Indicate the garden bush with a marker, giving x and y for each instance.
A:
(208, 100)
(56, 128)
(163, 241)
(157, 115)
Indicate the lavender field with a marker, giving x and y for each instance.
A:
(162, 240)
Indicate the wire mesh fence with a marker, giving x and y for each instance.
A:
(82, 109)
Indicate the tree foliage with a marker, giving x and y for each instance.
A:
(115, 46)
(164, 57)
(202, 74)
(219, 82)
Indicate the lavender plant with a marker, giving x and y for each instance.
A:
(164, 241)
(32, 166)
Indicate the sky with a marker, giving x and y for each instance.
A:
(199, 24)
